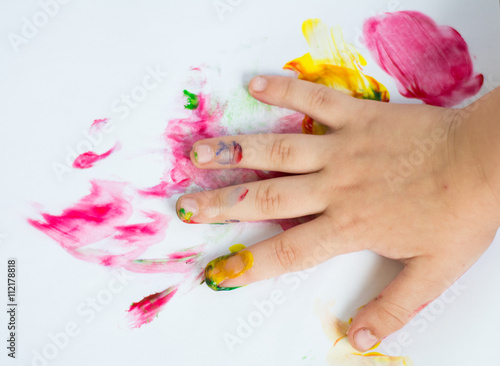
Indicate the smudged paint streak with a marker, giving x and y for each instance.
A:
(336, 64)
(227, 267)
(429, 62)
(147, 309)
(89, 158)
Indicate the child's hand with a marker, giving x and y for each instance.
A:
(409, 182)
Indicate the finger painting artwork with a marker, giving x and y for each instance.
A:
(113, 268)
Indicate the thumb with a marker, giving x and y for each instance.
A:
(420, 282)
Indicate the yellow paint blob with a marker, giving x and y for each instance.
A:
(341, 352)
(336, 64)
(236, 248)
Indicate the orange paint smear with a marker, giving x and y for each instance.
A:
(336, 64)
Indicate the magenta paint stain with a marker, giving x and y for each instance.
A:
(428, 61)
(89, 158)
(147, 309)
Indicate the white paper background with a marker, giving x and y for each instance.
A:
(71, 72)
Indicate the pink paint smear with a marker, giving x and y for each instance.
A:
(147, 309)
(430, 62)
(104, 214)
(89, 158)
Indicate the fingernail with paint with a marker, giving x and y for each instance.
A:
(203, 154)
(228, 154)
(365, 340)
(258, 84)
(227, 267)
(188, 208)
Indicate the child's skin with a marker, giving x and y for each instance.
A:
(436, 214)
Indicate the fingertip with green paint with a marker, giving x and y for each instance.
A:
(228, 267)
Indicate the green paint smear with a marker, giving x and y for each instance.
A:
(240, 106)
(192, 100)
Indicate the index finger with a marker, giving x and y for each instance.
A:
(321, 103)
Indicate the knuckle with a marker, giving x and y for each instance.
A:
(280, 152)
(393, 316)
(318, 98)
(284, 254)
(287, 89)
(212, 204)
(268, 199)
(350, 227)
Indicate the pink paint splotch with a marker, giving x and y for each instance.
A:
(89, 158)
(429, 62)
(147, 309)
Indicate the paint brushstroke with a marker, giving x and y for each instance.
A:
(147, 309)
(336, 64)
(428, 61)
(89, 158)
(341, 352)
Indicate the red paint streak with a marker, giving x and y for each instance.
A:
(147, 309)
(243, 195)
(429, 62)
(237, 154)
(164, 189)
(88, 159)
